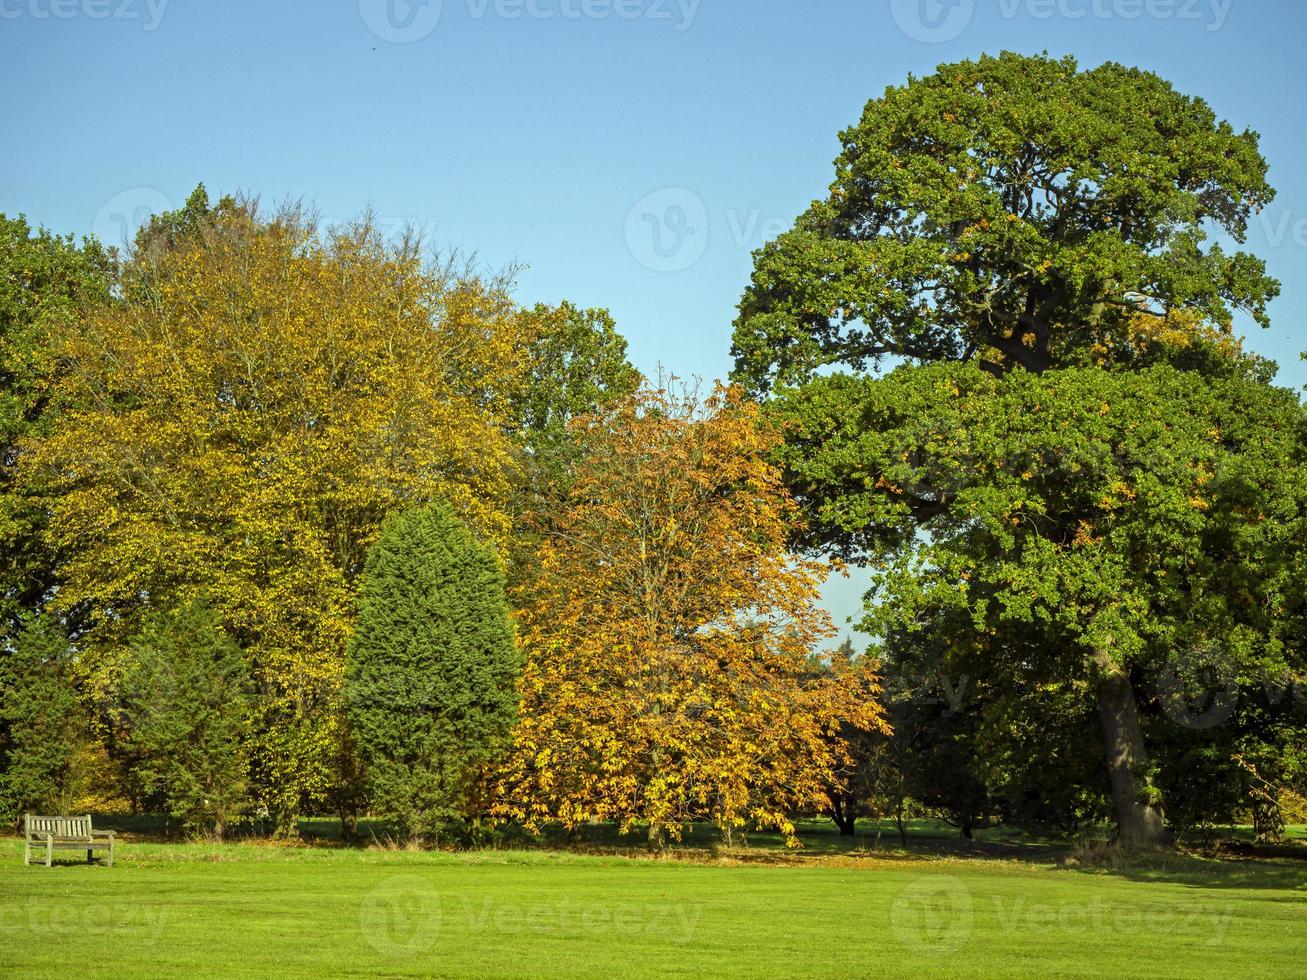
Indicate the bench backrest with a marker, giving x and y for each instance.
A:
(76, 827)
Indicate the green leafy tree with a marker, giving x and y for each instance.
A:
(42, 725)
(431, 670)
(186, 705)
(188, 224)
(1013, 209)
(43, 278)
(1106, 534)
(1017, 215)
(577, 366)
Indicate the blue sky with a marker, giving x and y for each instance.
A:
(627, 153)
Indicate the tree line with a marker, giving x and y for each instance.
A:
(301, 519)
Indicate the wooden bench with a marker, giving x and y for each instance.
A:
(64, 834)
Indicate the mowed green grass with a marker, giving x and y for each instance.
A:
(258, 910)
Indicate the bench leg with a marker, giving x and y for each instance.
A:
(49, 852)
(88, 856)
(111, 852)
(27, 852)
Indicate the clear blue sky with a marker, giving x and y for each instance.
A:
(566, 134)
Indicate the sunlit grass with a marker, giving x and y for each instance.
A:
(254, 909)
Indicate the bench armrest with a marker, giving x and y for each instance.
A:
(103, 833)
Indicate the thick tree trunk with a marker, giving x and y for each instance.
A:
(1138, 812)
(1268, 820)
(843, 815)
(286, 825)
(657, 837)
(349, 823)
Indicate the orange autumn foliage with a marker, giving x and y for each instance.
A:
(669, 635)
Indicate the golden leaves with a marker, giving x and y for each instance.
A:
(242, 420)
(667, 645)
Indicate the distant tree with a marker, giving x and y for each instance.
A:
(937, 750)
(850, 787)
(1243, 753)
(577, 365)
(185, 701)
(976, 743)
(966, 748)
(669, 631)
(431, 670)
(870, 779)
(42, 725)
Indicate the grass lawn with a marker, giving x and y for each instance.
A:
(249, 909)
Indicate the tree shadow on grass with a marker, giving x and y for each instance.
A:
(1209, 871)
(1236, 862)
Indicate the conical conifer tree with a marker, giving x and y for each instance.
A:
(431, 669)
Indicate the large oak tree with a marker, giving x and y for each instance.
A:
(1015, 215)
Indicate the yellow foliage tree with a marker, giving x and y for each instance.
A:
(668, 636)
(241, 418)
